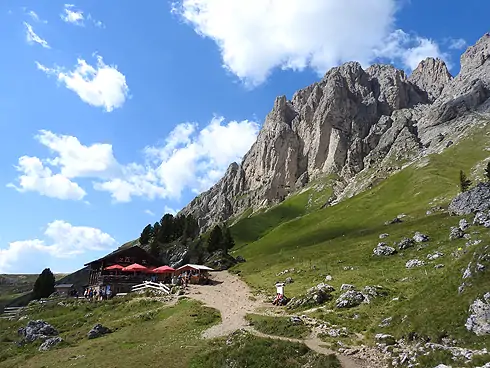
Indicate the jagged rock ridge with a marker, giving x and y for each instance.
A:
(350, 121)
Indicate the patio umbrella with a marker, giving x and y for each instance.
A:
(135, 267)
(114, 267)
(163, 269)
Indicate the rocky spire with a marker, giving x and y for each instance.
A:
(431, 76)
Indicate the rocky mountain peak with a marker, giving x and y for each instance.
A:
(351, 120)
(431, 76)
(476, 56)
(282, 112)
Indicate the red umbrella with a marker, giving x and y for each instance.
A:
(135, 267)
(163, 269)
(114, 267)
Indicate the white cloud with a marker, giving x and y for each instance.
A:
(198, 161)
(71, 15)
(100, 85)
(35, 16)
(457, 43)
(77, 160)
(256, 36)
(409, 50)
(64, 240)
(76, 16)
(149, 212)
(38, 178)
(32, 37)
(189, 159)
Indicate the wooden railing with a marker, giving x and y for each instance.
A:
(128, 279)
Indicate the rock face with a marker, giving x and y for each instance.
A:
(474, 200)
(353, 120)
(431, 76)
(479, 319)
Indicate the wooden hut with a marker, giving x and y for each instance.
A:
(107, 273)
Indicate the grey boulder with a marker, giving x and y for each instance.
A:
(50, 343)
(478, 321)
(406, 243)
(349, 299)
(475, 200)
(382, 249)
(456, 233)
(420, 238)
(97, 331)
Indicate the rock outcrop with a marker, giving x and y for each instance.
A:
(37, 330)
(475, 200)
(97, 331)
(479, 319)
(352, 121)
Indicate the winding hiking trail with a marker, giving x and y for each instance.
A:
(232, 297)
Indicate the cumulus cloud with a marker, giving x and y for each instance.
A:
(63, 240)
(36, 177)
(409, 50)
(190, 158)
(100, 85)
(72, 15)
(196, 159)
(32, 37)
(150, 212)
(76, 16)
(256, 36)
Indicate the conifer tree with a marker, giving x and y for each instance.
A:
(215, 240)
(146, 234)
(464, 182)
(44, 285)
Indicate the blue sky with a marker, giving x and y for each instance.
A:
(113, 115)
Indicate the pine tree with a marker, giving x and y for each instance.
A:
(215, 239)
(487, 171)
(464, 182)
(228, 241)
(146, 234)
(191, 228)
(44, 285)
(166, 231)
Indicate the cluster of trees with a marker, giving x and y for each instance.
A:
(220, 239)
(465, 183)
(167, 230)
(184, 228)
(44, 285)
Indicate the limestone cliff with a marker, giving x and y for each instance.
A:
(351, 121)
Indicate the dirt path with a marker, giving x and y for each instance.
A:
(232, 298)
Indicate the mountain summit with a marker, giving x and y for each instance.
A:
(352, 121)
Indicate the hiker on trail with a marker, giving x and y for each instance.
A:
(90, 293)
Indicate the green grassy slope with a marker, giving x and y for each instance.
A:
(146, 333)
(325, 241)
